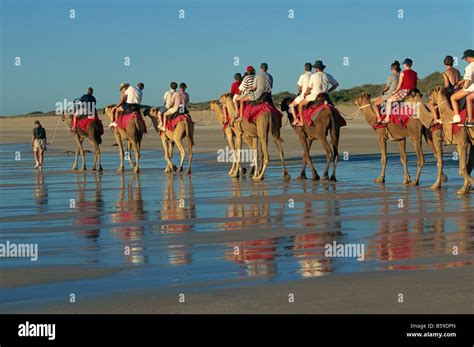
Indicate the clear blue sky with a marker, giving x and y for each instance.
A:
(60, 57)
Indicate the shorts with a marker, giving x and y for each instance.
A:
(252, 96)
(400, 95)
(235, 97)
(163, 109)
(39, 145)
(131, 107)
(298, 99)
(469, 89)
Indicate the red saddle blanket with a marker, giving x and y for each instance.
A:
(313, 111)
(123, 120)
(455, 128)
(251, 113)
(173, 122)
(400, 116)
(84, 123)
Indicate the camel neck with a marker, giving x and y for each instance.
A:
(230, 108)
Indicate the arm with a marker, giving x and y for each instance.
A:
(32, 140)
(399, 83)
(445, 80)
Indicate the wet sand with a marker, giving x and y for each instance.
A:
(130, 243)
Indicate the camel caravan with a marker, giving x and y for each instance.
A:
(248, 115)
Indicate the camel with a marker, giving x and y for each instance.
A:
(258, 131)
(233, 134)
(463, 140)
(91, 134)
(396, 133)
(133, 134)
(319, 130)
(184, 129)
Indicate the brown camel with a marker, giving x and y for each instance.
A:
(133, 134)
(258, 131)
(184, 129)
(233, 133)
(319, 130)
(397, 133)
(463, 140)
(91, 134)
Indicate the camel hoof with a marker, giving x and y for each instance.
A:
(137, 170)
(175, 168)
(74, 168)
(406, 182)
(462, 191)
(315, 178)
(84, 169)
(415, 183)
(188, 172)
(379, 180)
(286, 177)
(445, 178)
(435, 186)
(325, 178)
(180, 169)
(300, 178)
(333, 179)
(257, 178)
(120, 169)
(101, 169)
(94, 169)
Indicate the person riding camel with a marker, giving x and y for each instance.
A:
(451, 78)
(406, 84)
(85, 107)
(467, 89)
(130, 101)
(168, 103)
(244, 87)
(389, 88)
(302, 85)
(261, 89)
(180, 103)
(318, 84)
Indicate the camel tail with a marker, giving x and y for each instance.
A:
(334, 132)
(274, 130)
(425, 133)
(189, 134)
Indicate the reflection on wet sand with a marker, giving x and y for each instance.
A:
(41, 193)
(417, 232)
(176, 215)
(128, 217)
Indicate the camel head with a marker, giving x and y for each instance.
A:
(108, 111)
(438, 95)
(225, 98)
(362, 100)
(285, 103)
(151, 112)
(215, 106)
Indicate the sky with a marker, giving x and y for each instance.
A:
(61, 56)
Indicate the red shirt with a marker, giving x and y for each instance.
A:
(409, 80)
(234, 87)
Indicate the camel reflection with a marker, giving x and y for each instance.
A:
(256, 256)
(89, 213)
(176, 215)
(128, 219)
(414, 231)
(40, 193)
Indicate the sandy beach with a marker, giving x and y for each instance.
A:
(127, 243)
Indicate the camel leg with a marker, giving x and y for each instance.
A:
(136, 149)
(129, 150)
(238, 147)
(324, 143)
(470, 162)
(421, 160)
(76, 154)
(403, 158)
(263, 136)
(306, 144)
(254, 146)
(433, 149)
(383, 160)
(233, 170)
(120, 147)
(169, 164)
(462, 150)
(190, 154)
(279, 147)
(83, 154)
(335, 155)
(439, 162)
(181, 150)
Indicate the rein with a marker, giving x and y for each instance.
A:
(354, 114)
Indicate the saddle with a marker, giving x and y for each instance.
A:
(265, 97)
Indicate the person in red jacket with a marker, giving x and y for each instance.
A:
(407, 83)
(234, 87)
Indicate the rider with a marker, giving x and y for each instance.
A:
(180, 103)
(390, 86)
(406, 84)
(86, 107)
(121, 105)
(244, 87)
(467, 88)
(168, 103)
(318, 84)
(261, 89)
(302, 85)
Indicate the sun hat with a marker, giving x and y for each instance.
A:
(468, 53)
(124, 85)
(318, 64)
(249, 68)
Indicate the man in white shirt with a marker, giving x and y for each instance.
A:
(467, 90)
(318, 84)
(130, 101)
(168, 103)
(302, 85)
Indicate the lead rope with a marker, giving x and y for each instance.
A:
(207, 123)
(354, 114)
(55, 130)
